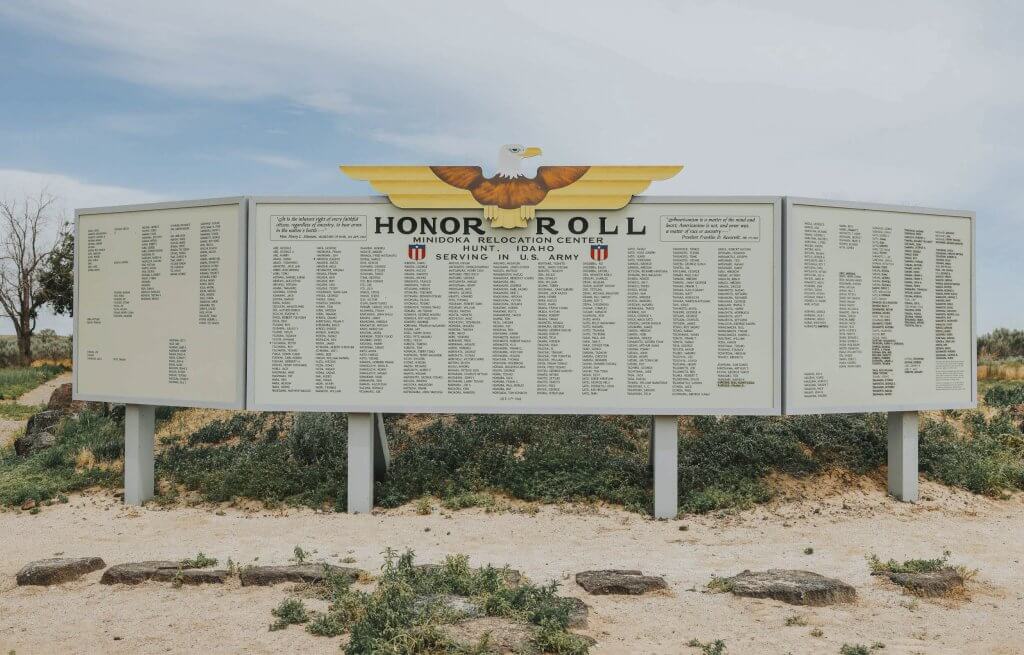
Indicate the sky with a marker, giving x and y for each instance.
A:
(910, 102)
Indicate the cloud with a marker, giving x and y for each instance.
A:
(912, 102)
(71, 192)
(278, 161)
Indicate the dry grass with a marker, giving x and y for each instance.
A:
(1001, 371)
(84, 460)
(187, 421)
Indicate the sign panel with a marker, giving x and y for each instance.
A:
(666, 306)
(879, 308)
(160, 304)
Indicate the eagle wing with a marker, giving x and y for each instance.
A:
(418, 187)
(556, 177)
(603, 187)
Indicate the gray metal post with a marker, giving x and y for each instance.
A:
(139, 425)
(361, 447)
(665, 457)
(903, 455)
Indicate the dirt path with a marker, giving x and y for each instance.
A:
(86, 617)
(41, 394)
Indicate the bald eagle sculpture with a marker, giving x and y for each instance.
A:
(509, 198)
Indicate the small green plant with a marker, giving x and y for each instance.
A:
(908, 566)
(200, 561)
(817, 632)
(424, 506)
(808, 551)
(299, 555)
(854, 649)
(796, 619)
(291, 611)
(716, 647)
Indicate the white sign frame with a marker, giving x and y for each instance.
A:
(240, 356)
(790, 249)
(778, 309)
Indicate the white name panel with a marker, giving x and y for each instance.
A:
(663, 307)
(880, 313)
(160, 304)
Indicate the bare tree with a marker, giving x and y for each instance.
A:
(24, 246)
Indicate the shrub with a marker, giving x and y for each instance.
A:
(290, 612)
(1001, 343)
(307, 465)
(53, 472)
(541, 458)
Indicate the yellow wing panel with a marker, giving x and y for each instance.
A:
(412, 187)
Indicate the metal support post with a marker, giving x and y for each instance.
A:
(665, 459)
(139, 425)
(903, 455)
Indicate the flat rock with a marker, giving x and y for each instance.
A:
(161, 571)
(619, 581)
(503, 635)
(578, 613)
(944, 582)
(57, 570)
(791, 586)
(271, 575)
(28, 444)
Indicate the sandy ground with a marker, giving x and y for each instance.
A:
(41, 394)
(555, 543)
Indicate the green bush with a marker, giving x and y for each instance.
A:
(1004, 394)
(306, 465)
(986, 459)
(52, 472)
(539, 458)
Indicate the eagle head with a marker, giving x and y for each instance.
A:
(509, 157)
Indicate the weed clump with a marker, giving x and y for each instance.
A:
(200, 561)
(291, 611)
(405, 614)
(908, 566)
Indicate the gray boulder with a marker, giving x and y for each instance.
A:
(56, 570)
(619, 581)
(270, 575)
(31, 443)
(47, 420)
(791, 586)
(161, 571)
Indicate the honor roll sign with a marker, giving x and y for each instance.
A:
(160, 304)
(880, 308)
(564, 291)
(665, 307)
